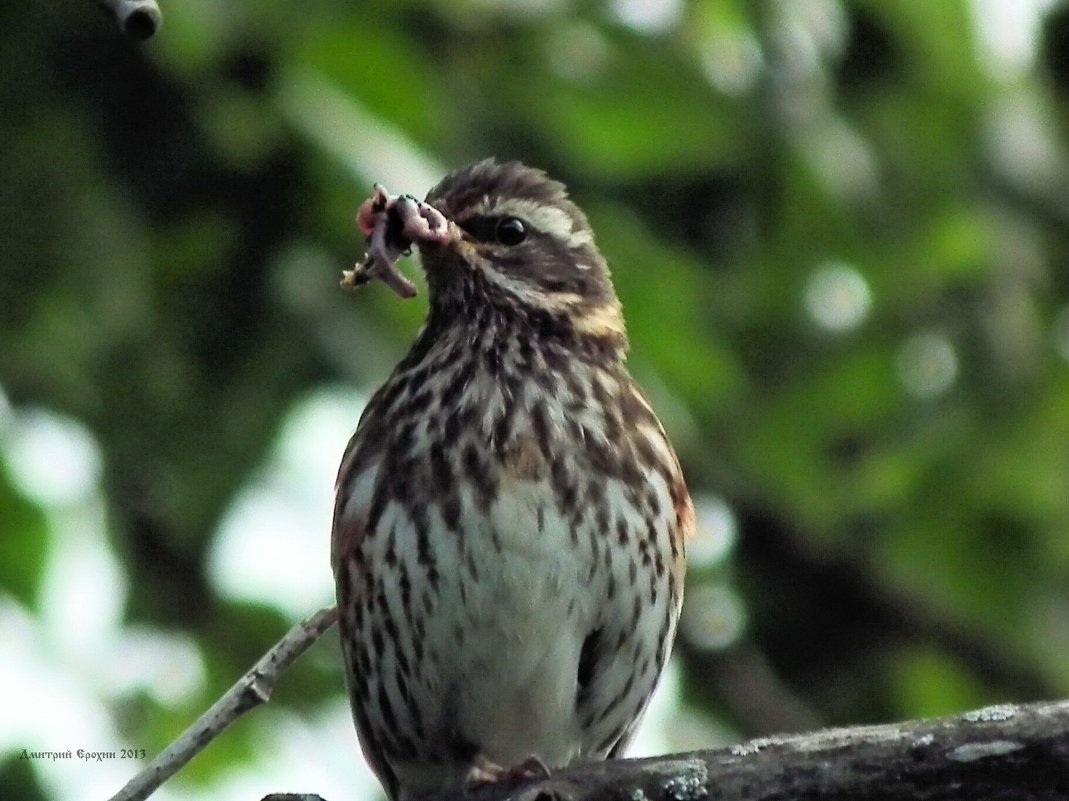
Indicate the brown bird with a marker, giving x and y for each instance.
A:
(510, 519)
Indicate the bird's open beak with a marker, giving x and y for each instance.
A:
(392, 224)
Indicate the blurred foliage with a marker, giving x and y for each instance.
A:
(174, 215)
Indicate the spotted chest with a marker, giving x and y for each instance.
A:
(508, 544)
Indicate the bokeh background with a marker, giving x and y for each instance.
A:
(840, 232)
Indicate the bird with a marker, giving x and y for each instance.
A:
(510, 523)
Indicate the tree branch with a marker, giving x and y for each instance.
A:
(138, 19)
(1018, 752)
(251, 690)
(1002, 752)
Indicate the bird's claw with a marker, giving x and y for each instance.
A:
(484, 771)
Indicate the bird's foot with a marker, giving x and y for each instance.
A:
(484, 771)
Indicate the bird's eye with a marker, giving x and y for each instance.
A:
(510, 231)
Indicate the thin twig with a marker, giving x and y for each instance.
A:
(138, 19)
(251, 690)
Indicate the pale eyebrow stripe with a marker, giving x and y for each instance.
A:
(548, 219)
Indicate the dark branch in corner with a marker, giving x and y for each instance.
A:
(1006, 751)
(138, 19)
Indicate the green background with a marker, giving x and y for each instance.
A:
(839, 231)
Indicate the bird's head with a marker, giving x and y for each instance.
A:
(505, 241)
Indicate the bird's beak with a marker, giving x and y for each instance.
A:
(392, 225)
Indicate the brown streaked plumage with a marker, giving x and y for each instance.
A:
(510, 520)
